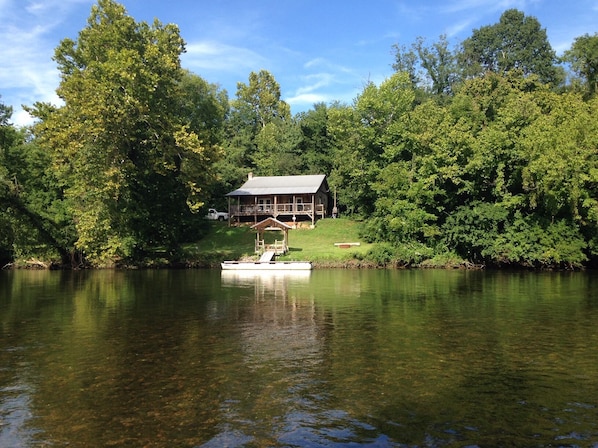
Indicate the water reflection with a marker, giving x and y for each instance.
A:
(331, 358)
(282, 349)
(266, 283)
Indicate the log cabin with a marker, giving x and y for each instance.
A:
(289, 198)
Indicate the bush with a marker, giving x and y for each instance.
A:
(401, 255)
(446, 260)
(473, 228)
(532, 242)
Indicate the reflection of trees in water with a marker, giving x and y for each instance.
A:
(280, 325)
(182, 358)
(282, 348)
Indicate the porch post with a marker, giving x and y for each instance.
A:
(313, 210)
(294, 208)
(286, 240)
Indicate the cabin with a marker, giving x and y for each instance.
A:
(286, 198)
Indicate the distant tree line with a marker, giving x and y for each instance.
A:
(485, 153)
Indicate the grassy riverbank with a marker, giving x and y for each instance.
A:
(316, 245)
(219, 242)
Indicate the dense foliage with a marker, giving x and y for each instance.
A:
(482, 153)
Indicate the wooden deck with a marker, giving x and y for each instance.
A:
(277, 210)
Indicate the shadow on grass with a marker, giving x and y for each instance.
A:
(222, 242)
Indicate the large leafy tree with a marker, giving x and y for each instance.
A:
(7, 138)
(278, 151)
(526, 186)
(430, 67)
(131, 168)
(583, 57)
(262, 135)
(262, 97)
(517, 42)
(204, 106)
(502, 174)
(316, 145)
(33, 222)
(364, 135)
(561, 176)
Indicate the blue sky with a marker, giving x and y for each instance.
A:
(318, 50)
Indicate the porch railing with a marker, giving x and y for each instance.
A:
(278, 247)
(275, 210)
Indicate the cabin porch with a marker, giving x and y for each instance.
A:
(275, 206)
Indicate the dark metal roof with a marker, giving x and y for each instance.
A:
(270, 185)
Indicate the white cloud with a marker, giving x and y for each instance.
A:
(333, 82)
(207, 55)
(324, 63)
(456, 28)
(313, 62)
(315, 82)
(308, 99)
(307, 93)
(27, 72)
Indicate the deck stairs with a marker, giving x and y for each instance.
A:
(267, 256)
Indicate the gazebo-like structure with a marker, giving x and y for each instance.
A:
(271, 224)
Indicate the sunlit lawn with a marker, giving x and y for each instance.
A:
(318, 244)
(232, 243)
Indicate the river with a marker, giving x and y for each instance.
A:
(329, 358)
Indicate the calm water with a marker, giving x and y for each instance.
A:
(330, 359)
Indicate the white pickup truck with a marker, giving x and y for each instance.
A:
(215, 215)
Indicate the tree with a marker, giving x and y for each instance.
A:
(6, 141)
(131, 168)
(33, 222)
(315, 145)
(406, 61)
(433, 68)
(515, 42)
(262, 136)
(583, 57)
(277, 151)
(364, 136)
(204, 107)
(262, 97)
(561, 176)
(439, 63)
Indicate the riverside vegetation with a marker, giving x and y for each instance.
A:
(482, 154)
(318, 245)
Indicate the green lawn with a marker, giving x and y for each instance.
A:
(222, 243)
(316, 245)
